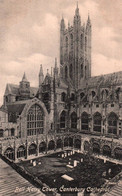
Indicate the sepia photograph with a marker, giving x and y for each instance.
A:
(60, 98)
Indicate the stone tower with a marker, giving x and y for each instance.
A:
(24, 88)
(75, 50)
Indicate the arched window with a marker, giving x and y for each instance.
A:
(35, 120)
(21, 152)
(106, 150)
(81, 41)
(74, 120)
(42, 147)
(59, 143)
(32, 149)
(72, 97)
(84, 121)
(97, 122)
(66, 73)
(77, 143)
(71, 71)
(93, 94)
(82, 70)
(112, 123)
(51, 145)
(63, 119)
(66, 141)
(96, 148)
(1, 132)
(9, 153)
(12, 132)
(71, 41)
(82, 95)
(86, 146)
(63, 97)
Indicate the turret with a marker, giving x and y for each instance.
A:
(24, 88)
(41, 76)
(55, 69)
(62, 29)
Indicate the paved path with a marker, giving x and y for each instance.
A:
(12, 184)
(116, 190)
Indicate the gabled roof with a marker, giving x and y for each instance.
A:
(14, 90)
(16, 108)
(11, 89)
(106, 80)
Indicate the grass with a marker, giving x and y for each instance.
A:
(88, 173)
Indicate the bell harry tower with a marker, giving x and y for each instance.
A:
(75, 50)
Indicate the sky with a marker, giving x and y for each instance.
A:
(30, 36)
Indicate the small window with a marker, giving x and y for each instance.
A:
(97, 105)
(84, 106)
(112, 105)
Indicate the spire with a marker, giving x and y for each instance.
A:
(88, 20)
(77, 10)
(41, 70)
(41, 75)
(24, 79)
(62, 23)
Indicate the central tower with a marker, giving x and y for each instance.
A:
(75, 50)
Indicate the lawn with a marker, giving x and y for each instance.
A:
(92, 172)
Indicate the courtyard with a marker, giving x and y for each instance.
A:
(71, 169)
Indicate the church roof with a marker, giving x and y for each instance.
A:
(106, 80)
(14, 90)
(16, 108)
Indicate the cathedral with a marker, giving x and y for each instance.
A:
(69, 108)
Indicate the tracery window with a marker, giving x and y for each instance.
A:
(63, 119)
(35, 120)
(74, 120)
(97, 122)
(84, 121)
(112, 123)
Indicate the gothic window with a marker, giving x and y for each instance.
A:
(12, 132)
(97, 119)
(82, 95)
(63, 119)
(66, 73)
(9, 153)
(112, 123)
(32, 149)
(63, 97)
(1, 132)
(74, 120)
(81, 41)
(21, 152)
(82, 70)
(71, 41)
(85, 44)
(93, 94)
(72, 97)
(35, 120)
(70, 71)
(84, 121)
